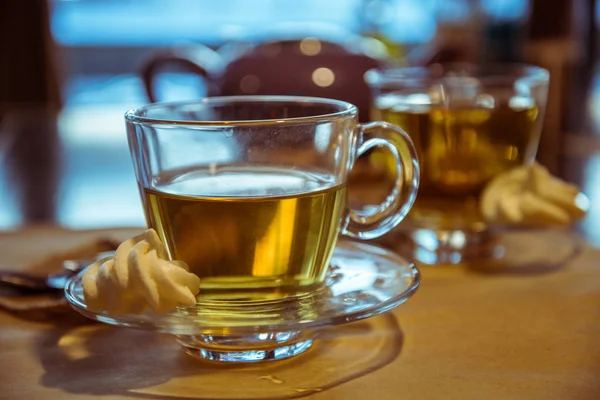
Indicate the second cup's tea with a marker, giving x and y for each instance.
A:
(461, 148)
(253, 228)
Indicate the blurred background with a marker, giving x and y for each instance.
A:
(101, 43)
(69, 69)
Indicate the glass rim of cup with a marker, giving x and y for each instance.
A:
(389, 77)
(344, 109)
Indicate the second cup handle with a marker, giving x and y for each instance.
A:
(371, 224)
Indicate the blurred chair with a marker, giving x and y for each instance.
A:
(29, 101)
(28, 73)
(303, 67)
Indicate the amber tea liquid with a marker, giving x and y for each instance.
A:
(253, 229)
(461, 148)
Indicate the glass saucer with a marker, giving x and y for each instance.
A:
(363, 281)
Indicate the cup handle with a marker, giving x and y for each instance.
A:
(371, 224)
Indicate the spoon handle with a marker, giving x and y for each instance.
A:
(54, 281)
(22, 281)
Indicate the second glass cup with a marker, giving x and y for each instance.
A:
(469, 124)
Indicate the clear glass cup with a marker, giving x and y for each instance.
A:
(469, 123)
(250, 191)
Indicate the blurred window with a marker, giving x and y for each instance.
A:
(104, 41)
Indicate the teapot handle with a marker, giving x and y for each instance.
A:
(201, 61)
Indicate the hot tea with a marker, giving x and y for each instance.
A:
(249, 227)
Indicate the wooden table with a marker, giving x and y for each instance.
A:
(465, 335)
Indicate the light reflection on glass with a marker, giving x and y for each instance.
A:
(322, 137)
(427, 239)
(485, 101)
(359, 274)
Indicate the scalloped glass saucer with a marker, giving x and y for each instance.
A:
(363, 281)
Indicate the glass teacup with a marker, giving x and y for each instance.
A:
(251, 191)
(469, 124)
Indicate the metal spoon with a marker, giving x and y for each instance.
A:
(51, 282)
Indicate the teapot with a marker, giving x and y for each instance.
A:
(306, 66)
(330, 66)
